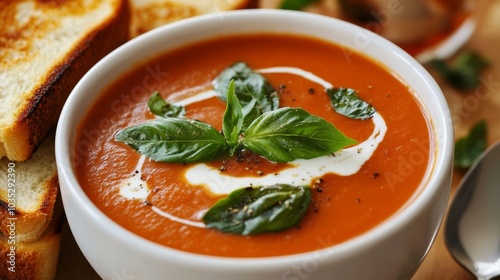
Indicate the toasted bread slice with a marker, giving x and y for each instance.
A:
(149, 14)
(36, 260)
(46, 47)
(28, 192)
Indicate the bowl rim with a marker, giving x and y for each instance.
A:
(67, 124)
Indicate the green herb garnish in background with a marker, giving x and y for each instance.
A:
(464, 72)
(346, 102)
(470, 147)
(296, 4)
(255, 210)
(158, 106)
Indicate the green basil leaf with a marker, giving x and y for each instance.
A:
(346, 102)
(232, 121)
(255, 93)
(464, 72)
(175, 140)
(470, 147)
(296, 4)
(287, 134)
(256, 210)
(158, 106)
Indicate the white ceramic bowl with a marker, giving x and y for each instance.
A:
(392, 250)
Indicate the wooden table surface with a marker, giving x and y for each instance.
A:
(467, 108)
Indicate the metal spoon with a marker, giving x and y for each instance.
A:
(472, 229)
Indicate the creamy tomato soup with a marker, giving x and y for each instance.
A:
(352, 190)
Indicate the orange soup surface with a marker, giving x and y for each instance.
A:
(342, 207)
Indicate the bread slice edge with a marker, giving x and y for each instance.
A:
(40, 113)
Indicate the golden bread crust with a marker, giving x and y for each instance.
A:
(35, 260)
(30, 225)
(147, 15)
(40, 112)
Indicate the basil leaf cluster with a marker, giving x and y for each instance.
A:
(256, 124)
(252, 120)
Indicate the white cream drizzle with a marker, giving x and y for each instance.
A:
(345, 162)
(196, 98)
(298, 72)
(134, 187)
(177, 219)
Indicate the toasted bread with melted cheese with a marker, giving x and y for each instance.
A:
(46, 46)
(150, 14)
